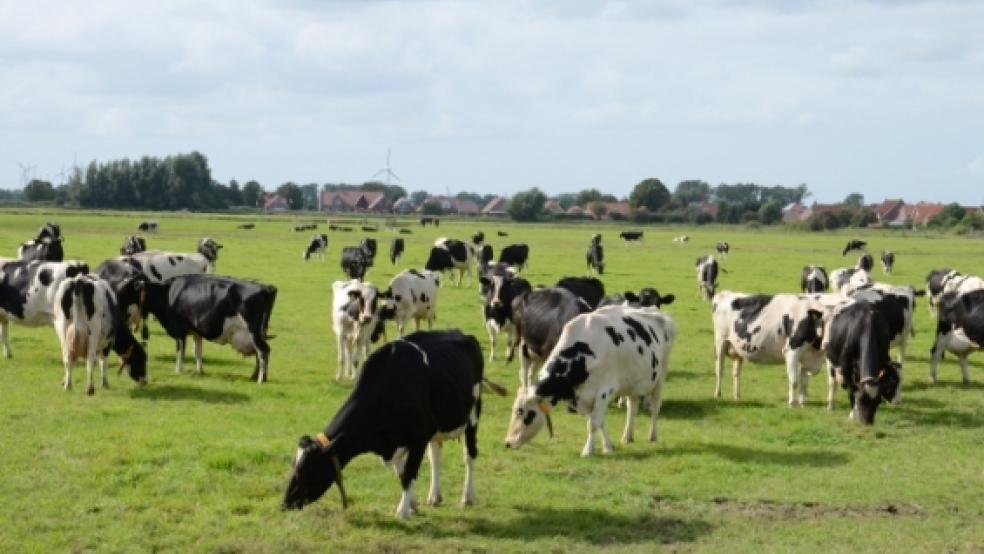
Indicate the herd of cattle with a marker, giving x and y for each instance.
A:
(575, 342)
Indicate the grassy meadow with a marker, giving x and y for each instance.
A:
(200, 463)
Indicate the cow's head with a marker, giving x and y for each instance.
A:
(209, 248)
(366, 305)
(807, 329)
(871, 392)
(131, 295)
(596, 238)
(529, 414)
(133, 360)
(649, 296)
(316, 469)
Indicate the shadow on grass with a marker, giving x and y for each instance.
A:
(699, 409)
(936, 416)
(181, 392)
(811, 458)
(944, 384)
(585, 526)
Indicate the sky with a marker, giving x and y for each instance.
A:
(885, 98)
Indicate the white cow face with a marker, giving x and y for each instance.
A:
(529, 414)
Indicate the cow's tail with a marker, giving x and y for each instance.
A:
(272, 291)
(494, 387)
(77, 331)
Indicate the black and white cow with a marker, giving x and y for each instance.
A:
(615, 351)
(762, 329)
(959, 329)
(707, 273)
(120, 274)
(414, 296)
(46, 247)
(246, 226)
(147, 226)
(814, 279)
(588, 289)
(368, 245)
(498, 290)
(723, 248)
(647, 297)
(317, 246)
(502, 233)
(133, 245)
(888, 261)
(356, 261)
(405, 231)
(414, 393)
(89, 324)
(865, 262)
(941, 281)
(857, 352)
(483, 257)
(159, 266)
(431, 220)
(595, 255)
(219, 309)
(450, 254)
(515, 255)
(854, 244)
(478, 238)
(396, 249)
(28, 294)
(631, 235)
(539, 317)
(358, 319)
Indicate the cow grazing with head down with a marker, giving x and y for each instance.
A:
(414, 296)
(596, 255)
(888, 261)
(853, 244)
(707, 273)
(814, 279)
(450, 254)
(588, 289)
(540, 316)
(483, 257)
(28, 294)
(723, 248)
(46, 247)
(631, 235)
(941, 281)
(356, 260)
(857, 352)
(515, 255)
(396, 249)
(133, 245)
(865, 262)
(147, 226)
(499, 288)
(89, 324)
(414, 393)
(358, 315)
(222, 310)
(959, 329)
(317, 246)
(615, 351)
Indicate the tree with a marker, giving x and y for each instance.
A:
(419, 196)
(252, 192)
(951, 214)
(691, 192)
(651, 193)
(587, 196)
(39, 191)
(310, 194)
(474, 197)
(770, 213)
(863, 218)
(598, 209)
(527, 205)
(293, 194)
(432, 207)
(566, 200)
(854, 199)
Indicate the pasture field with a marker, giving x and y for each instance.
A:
(200, 463)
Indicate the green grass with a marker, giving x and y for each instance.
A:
(199, 463)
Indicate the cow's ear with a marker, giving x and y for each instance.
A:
(304, 441)
(814, 314)
(668, 299)
(630, 296)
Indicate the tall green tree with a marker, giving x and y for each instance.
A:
(854, 199)
(691, 192)
(526, 205)
(39, 191)
(419, 196)
(293, 194)
(651, 193)
(252, 192)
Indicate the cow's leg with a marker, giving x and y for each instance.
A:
(198, 353)
(180, 348)
(434, 455)
(596, 421)
(936, 354)
(69, 364)
(415, 455)
(804, 386)
(471, 452)
(964, 372)
(102, 371)
(342, 348)
(492, 334)
(831, 385)
(719, 352)
(656, 402)
(736, 376)
(4, 337)
(90, 361)
(793, 374)
(631, 407)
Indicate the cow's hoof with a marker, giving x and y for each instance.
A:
(467, 501)
(434, 499)
(90, 390)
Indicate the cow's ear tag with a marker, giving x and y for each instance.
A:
(323, 440)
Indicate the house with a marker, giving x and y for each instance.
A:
(710, 208)
(615, 210)
(354, 201)
(887, 213)
(552, 207)
(453, 206)
(495, 208)
(403, 206)
(924, 211)
(275, 203)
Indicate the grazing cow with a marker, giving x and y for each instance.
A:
(846, 280)
(589, 368)
(89, 324)
(888, 261)
(46, 247)
(449, 254)
(681, 239)
(707, 273)
(502, 233)
(222, 310)
(133, 245)
(941, 281)
(147, 226)
(588, 289)
(345, 229)
(356, 260)
(960, 329)
(405, 232)
(762, 329)
(396, 249)
(498, 290)
(119, 274)
(159, 266)
(857, 353)
(357, 318)
(318, 245)
(539, 317)
(865, 262)
(853, 244)
(723, 248)
(483, 257)
(431, 220)
(333, 227)
(369, 246)
(28, 293)
(630, 235)
(371, 229)
(814, 279)
(414, 296)
(246, 226)
(647, 297)
(414, 393)
(596, 255)
(515, 255)
(478, 238)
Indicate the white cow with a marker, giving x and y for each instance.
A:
(160, 266)
(28, 292)
(357, 319)
(414, 295)
(602, 355)
(89, 335)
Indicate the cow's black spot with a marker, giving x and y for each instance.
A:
(655, 373)
(638, 328)
(416, 273)
(179, 258)
(529, 417)
(639, 348)
(614, 335)
(171, 260)
(604, 396)
(653, 362)
(787, 325)
(397, 297)
(423, 297)
(88, 298)
(45, 277)
(653, 333)
(155, 273)
(631, 334)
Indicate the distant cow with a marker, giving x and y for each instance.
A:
(431, 220)
(404, 231)
(959, 330)
(588, 289)
(133, 245)
(612, 352)
(396, 249)
(370, 229)
(27, 295)
(358, 318)
(222, 310)
(147, 226)
(318, 245)
(888, 261)
(707, 273)
(853, 244)
(414, 296)
(723, 248)
(681, 239)
(414, 393)
(865, 262)
(814, 279)
(89, 324)
(539, 317)
(478, 238)
(483, 257)
(515, 255)
(45, 247)
(450, 254)
(647, 297)
(941, 281)
(596, 255)
(498, 290)
(246, 226)
(356, 260)
(502, 233)
(631, 235)
(857, 351)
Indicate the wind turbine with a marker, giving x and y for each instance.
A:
(386, 170)
(27, 172)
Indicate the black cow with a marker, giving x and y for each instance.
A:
(960, 329)
(499, 287)
(431, 220)
(646, 297)
(355, 262)
(814, 279)
(539, 317)
(318, 245)
(502, 233)
(857, 350)
(478, 238)
(246, 226)
(483, 256)
(707, 273)
(723, 248)
(515, 255)
(368, 229)
(456, 255)
(45, 247)
(854, 244)
(588, 289)
(220, 309)
(369, 247)
(405, 232)
(888, 261)
(396, 249)
(133, 245)
(865, 262)
(596, 255)
(631, 235)
(413, 394)
(147, 226)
